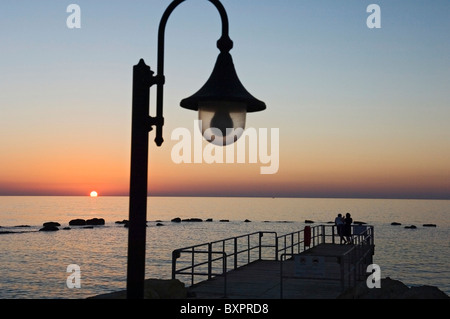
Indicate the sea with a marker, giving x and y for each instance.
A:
(36, 265)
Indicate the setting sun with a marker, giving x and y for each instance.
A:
(94, 194)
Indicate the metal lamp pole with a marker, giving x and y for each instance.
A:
(223, 86)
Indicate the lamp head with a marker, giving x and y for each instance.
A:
(223, 103)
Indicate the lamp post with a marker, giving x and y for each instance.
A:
(222, 104)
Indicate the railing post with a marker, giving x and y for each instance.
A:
(175, 256)
(373, 235)
(276, 247)
(193, 263)
(341, 262)
(235, 253)
(248, 249)
(261, 234)
(209, 261)
(333, 234)
(224, 269)
(313, 236)
(281, 277)
(292, 243)
(174, 267)
(323, 234)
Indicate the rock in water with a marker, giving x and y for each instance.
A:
(77, 222)
(392, 289)
(154, 289)
(165, 289)
(193, 220)
(48, 224)
(95, 222)
(49, 228)
(425, 292)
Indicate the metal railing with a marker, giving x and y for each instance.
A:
(295, 243)
(234, 252)
(355, 261)
(352, 263)
(214, 259)
(210, 273)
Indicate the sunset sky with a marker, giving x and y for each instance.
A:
(361, 112)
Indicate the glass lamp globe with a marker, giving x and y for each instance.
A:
(222, 123)
(223, 103)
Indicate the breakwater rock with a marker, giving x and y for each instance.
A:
(154, 289)
(89, 222)
(50, 226)
(393, 289)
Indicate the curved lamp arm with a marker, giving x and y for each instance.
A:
(142, 123)
(224, 44)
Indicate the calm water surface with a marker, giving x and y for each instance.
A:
(33, 264)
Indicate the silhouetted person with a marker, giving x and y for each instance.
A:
(348, 228)
(339, 222)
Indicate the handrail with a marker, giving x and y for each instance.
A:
(243, 244)
(354, 258)
(224, 266)
(243, 247)
(357, 255)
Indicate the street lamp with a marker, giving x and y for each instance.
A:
(222, 104)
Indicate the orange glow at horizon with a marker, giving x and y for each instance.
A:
(310, 169)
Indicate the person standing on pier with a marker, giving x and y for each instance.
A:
(339, 222)
(348, 228)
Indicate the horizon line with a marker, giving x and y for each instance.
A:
(235, 196)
